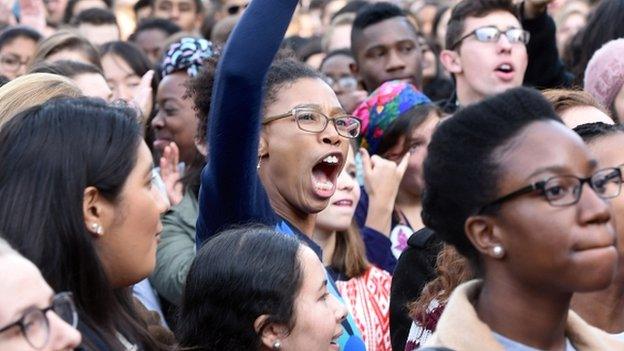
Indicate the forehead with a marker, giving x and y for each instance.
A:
(338, 63)
(173, 84)
(388, 32)
(304, 91)
(499, 19)
(608, 150)
(18, 44)
(22, 286)
(555, 144)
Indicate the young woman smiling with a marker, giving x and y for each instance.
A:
(275, 156)
(535, 229)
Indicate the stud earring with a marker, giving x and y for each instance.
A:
(498, 251)
(277, 345)
(259, 162)
(97, 229)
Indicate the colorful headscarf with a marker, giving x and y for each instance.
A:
(186, 54)
(383, 107)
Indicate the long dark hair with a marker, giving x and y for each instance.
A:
(606, 23)
(238, 276)
(49, 154)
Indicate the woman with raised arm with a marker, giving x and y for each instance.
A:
(278, 138)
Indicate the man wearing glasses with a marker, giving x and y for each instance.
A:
(488, 50)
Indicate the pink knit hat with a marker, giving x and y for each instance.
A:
(604, 75)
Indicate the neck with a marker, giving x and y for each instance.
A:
(465, 95)
(603, 309)
(536, 318)
(326, 239)
(411, 207)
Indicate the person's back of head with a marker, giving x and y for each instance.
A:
(65, 68)
(97, 25)
(226, 293)
(385, 46)
(31, 90)
(65, 45)
(577, 107)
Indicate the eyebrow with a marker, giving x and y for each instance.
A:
(591, 164)
(323, 285)
(333, 111)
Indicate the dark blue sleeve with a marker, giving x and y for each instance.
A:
(378, 249)
(231, 192)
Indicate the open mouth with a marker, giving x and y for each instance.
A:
(334, 342)
(325, 172)
(505, 71)
(343, 203)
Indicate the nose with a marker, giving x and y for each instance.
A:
(62, 335)
(592, 208)
(345, 181)
(503, 44)
(340, 311)
(158, 122)
(330, 134)
(395, 61)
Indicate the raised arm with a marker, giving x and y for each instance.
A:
(231, 192)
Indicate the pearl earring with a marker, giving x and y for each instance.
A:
(277, 345)
(97, 229)
(498, 251)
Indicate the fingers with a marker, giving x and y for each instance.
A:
(175, 153)
(146, 80)
(403, 164)
(366, 161)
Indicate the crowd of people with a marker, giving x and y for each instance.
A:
(312, 175)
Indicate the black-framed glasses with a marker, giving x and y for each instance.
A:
(34, 323)
(491, 34)
(12, 63)
(346, 83)
(312, 121)
(566, 190)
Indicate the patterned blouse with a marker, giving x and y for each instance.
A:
(368, 299)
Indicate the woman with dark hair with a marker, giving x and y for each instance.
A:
(605, 309)
(535, 230)
(605, 23)
(129, 74)
(75, 179)
(277, 139)
(230, 304)
(17, 48)
(74, 7)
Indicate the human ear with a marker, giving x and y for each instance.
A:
(271, 333)
(484, 236)
(263, 146)
(451, 61)
(94, 212)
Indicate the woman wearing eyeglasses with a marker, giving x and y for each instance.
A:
(32, 317)
(278, 139)
(17, 47)
(605, 309)
(78, 202)
(526, 202)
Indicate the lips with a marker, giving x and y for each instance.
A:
(325, 172)
(333, 344)
(505, 71)
(343, 203)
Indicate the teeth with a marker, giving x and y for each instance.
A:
(326, 185)
(331, 159)
(505, 67)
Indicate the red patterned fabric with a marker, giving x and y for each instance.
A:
(368, 299)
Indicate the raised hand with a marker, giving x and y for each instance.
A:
(382, 178)
(33, 14)
(170, 173)
(143, 97)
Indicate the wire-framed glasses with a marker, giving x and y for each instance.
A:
(34, 323)
(312, 121)
(491, 34)
(565, 190)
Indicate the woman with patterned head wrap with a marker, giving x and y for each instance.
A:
(397, 122)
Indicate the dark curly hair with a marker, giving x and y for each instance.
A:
(462, 171)
(238, 276)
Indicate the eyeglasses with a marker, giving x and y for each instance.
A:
(234, 9)
(11, 63)
(313, 121)
(348, 83)
(566, 190)
(35, 325)
(492, 34)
